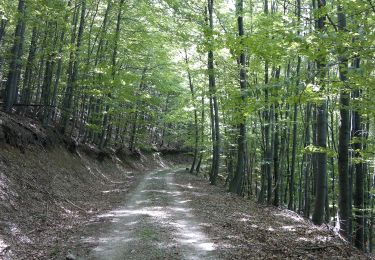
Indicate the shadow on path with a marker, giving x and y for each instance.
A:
(156, 223)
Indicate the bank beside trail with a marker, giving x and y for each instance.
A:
(175, 215)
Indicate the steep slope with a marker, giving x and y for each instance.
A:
(49, 186)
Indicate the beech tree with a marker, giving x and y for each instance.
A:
(271, 99)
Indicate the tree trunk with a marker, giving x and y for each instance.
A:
(215, 116)
(196, 126)
(359, 172)
(26, 91)
(321, 131)
(344, 135)
(15, 62)
(237, 182)
(73, 69)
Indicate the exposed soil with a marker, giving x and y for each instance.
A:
(175, 215)
(242, 229)
(57, 197)
(50, 187)
(154, 223)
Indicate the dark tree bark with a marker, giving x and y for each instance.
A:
(26, 90)
(294, 153)
(46, 89)
(344, 135)
(236, 183)
(3, 25)
(135, 114)
(11, 90)
(105, 124)
(359, 195)
(267, 160)
(73, 69)
(321, 131)
(307, 163)
(196, 126)
(276, 144)
(214, 172)
(267, 152)
(59, 67)
(197, 169)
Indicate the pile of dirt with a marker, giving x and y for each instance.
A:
(50, 186)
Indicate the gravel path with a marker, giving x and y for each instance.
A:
(155, 223)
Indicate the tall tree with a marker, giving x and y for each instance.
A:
(344, 132)
(321, 124)
(73, 67)
(11, 91)
(236, 183)
(196, 126)
(214, 106)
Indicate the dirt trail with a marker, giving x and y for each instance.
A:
(155, 223)
(175, 215)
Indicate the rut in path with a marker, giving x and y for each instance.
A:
(156, 223)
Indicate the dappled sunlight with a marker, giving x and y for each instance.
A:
(173, 193)
(158, 212)
(154, 178)
(183, 201)
(271, 229)
(3, 246)
(289, 228)
(112, 191)
(187, 186)
(190, 235)
(315, 239)
(138, 202)
(180, 209)
(244, 217)
(16, 232)
(157, 218)
(290, 215)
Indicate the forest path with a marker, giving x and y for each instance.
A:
(155, 223)
(174, 215)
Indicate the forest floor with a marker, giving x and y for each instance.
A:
(56, 197)
(175, 215)
(50, 187)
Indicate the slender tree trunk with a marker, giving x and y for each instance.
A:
(266, 163)
(3, 24)
(26, 91)
(106, 118)
(215, 116)
(133, 134)
(46, 89)
(359, 194)
(321, 131)
(344, 135)
(197, 169)
(15, 62)
(59, 68)
(196, 126)
(276, 160)
(307, 160)
(237, 182)
(294, 151)
(73, 68)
